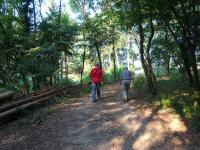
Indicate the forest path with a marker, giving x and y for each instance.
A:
(105, 125)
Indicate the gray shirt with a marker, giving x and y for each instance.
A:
(126, 75)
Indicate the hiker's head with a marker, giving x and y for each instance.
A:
(97, 65)
(125, 68)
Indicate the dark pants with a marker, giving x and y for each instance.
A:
(126, 86)
(95, 91)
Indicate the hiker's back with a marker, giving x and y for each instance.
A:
(126, 75)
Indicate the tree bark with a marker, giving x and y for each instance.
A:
(34, 13)
(40, 10)
(83, 57)
(114, 62)
(149, 77)
(66, 66)
(99, 55)
(167, 67)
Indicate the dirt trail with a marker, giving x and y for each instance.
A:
(105, 125)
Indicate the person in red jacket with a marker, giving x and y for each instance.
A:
(96, 75)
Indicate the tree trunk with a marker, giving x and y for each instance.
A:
(35, 25)
(61, 67)
(187, 65)
(83, 57)
(99, 55)
(117, 59)
(51, 77)
(60, 9)
(66, 66)
(146, 64)
(114, 62)
(110, 60)
(167, 67)
(195, 70)
(40, 10)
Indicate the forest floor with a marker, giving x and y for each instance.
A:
(108, 124)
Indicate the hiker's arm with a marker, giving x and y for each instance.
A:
(91, 74)
(120, 79)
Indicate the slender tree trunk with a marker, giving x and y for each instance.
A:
(51, 80)
(61, 67)
(187, 65)
(110, 60)
(60, 9)
(26, 17)
(66, 67)
(26, 82)
(184, 53)
(146, 64)
(40, 3)
(117, 59)
(195, 70)
(114, 62)
(179, 69)
(35, 25)
(34, 80)
(83, 57)
(82, 6)
(167, 67)
(99, 55)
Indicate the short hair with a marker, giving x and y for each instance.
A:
(125, 68)
(97, 64)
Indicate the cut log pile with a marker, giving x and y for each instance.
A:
(7, 96)
(16, 104)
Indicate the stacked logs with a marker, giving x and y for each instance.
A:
(16, 104)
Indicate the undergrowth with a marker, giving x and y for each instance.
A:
(174, 93)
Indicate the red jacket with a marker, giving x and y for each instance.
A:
(96, 74)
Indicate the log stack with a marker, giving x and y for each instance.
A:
(17, 104)
(7, 96)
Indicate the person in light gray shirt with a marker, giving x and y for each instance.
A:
(125, 80)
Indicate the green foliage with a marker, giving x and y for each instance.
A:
(165, 100)
(29, 59)
(108, 77)
(140, 83)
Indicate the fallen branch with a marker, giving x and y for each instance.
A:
(14, 107)
(6, 96)
(30, 99)
(21, 107)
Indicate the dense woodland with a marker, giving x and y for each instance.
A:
(39, 50)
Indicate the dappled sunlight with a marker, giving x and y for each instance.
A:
(109, 92)
(177, 125)
(115, 144)
(147, 112)
(112, 110)
(163, 78)
(110, 104)
(173, 120)
(145, 141)
(182, 94)
(131, 122)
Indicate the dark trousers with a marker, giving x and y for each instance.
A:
(95, 91)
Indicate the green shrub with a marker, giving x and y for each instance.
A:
(140, 83)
